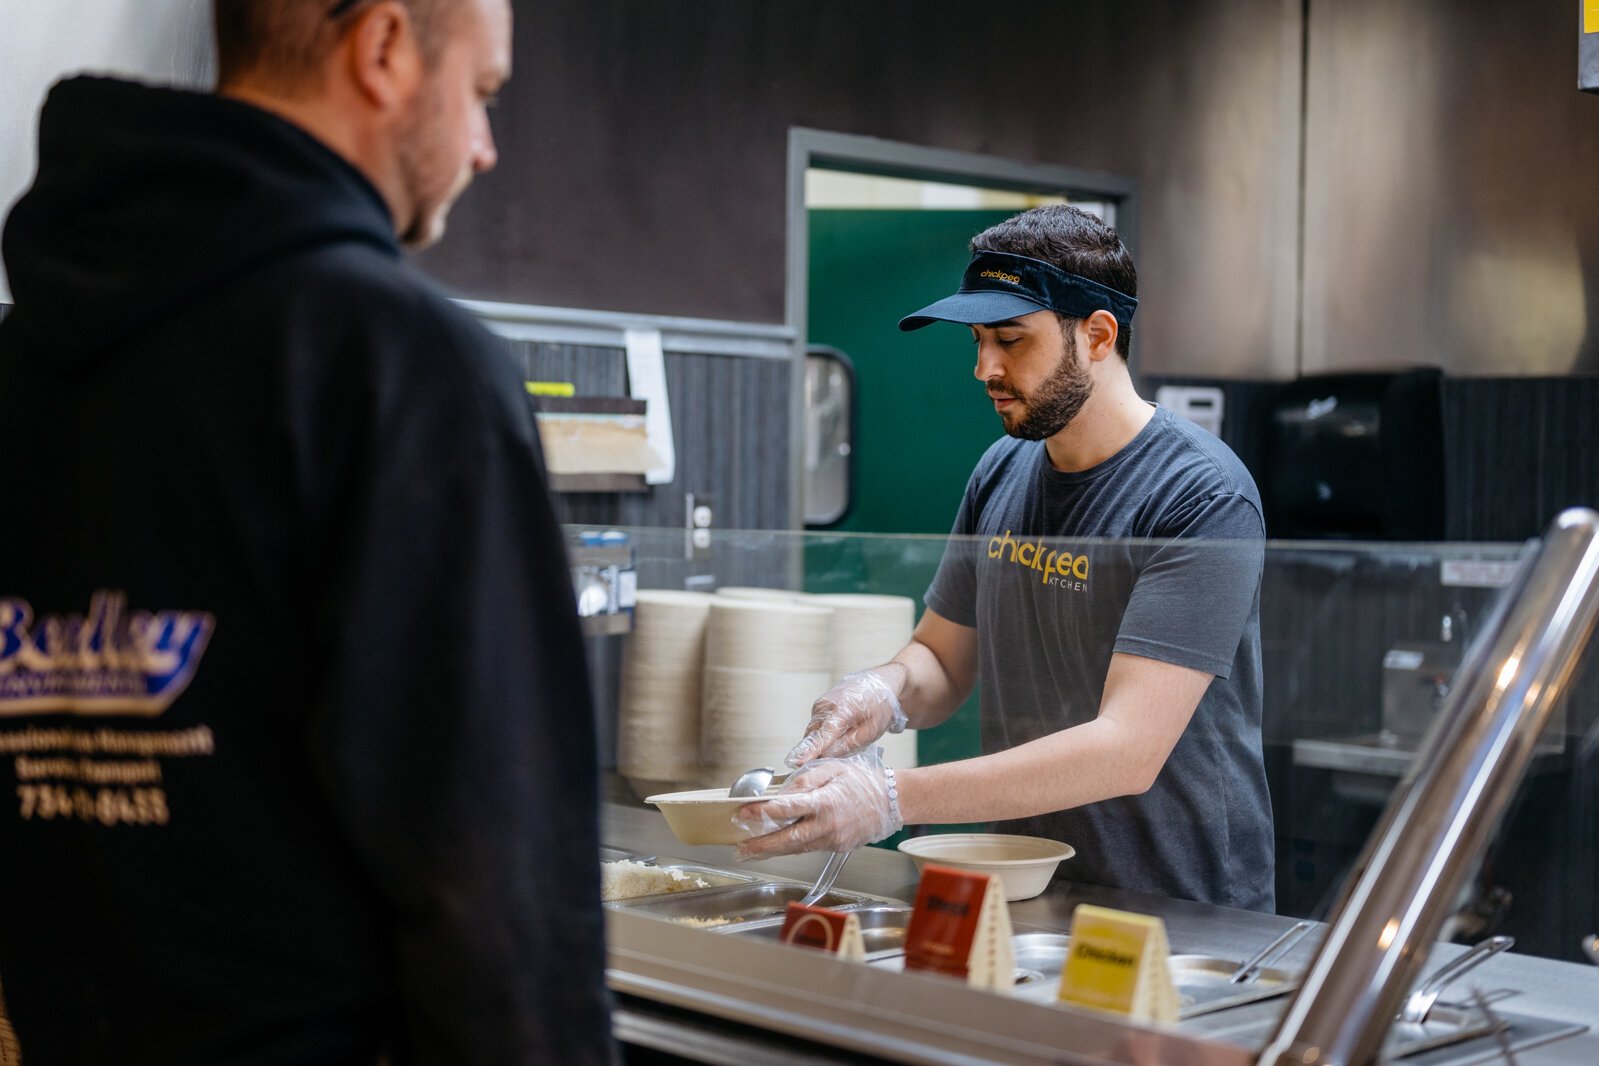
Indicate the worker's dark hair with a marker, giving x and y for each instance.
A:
(283, 43)
(1074, 240)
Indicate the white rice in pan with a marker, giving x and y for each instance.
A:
(624, 879)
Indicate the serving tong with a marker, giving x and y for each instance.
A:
(1421, 1001)
(752, 783)
(1250, 968)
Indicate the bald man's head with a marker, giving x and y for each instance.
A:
(398, 88)
(282, 45)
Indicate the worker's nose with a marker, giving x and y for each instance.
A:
(988, 363)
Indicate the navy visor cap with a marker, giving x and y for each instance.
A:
(999, 285)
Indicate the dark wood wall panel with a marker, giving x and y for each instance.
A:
(1518, 451)
(592, 371)
(643, 152)
(1246, 411)
(643, 148)
(729, 426)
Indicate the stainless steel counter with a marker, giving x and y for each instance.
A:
(1390, 755)
(912, 1018)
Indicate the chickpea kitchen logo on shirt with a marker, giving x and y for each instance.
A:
(107, 660)
(1056, 567)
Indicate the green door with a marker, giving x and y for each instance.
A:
(922, 421)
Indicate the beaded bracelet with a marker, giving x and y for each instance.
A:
(893, 798)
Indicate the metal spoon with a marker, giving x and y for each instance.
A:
(1251, 967)
(755, 782)
(1419, 1005)
(751, 783)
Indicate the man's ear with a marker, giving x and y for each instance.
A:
(1101, 329)
(383, 56)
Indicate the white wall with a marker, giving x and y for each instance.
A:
(163, 41)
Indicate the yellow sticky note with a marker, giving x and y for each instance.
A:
(1590, 16)
(551, 388)
(1117, 962)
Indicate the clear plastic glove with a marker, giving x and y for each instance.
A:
(848, 718)
(829, 805)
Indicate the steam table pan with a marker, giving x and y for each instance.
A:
(733, 904)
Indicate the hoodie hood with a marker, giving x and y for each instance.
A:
(147, 198)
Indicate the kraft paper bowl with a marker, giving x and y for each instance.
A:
(1024, 865)
(704, 816)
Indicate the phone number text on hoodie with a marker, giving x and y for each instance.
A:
(107, 806)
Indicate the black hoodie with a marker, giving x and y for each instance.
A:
(296, 748)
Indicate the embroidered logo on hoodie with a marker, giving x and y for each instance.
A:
(109, 660)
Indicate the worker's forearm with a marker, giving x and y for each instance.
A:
(927, 693)
(1084, 764)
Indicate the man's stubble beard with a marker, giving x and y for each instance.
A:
(1052, 406)
(431, 191)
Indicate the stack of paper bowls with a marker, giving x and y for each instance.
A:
(868, 631)
(658, 707)
(758, 592)
(766, 661)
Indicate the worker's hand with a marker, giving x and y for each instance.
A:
(830, 805)
(848, 718)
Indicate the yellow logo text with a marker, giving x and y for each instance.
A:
(1049, 562)
(1014, 279)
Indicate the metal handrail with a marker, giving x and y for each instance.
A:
(1436, 828)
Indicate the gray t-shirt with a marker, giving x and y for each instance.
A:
(1155, 552)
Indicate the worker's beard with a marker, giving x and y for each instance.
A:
(1050, 408)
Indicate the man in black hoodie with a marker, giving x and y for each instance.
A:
(296, 745)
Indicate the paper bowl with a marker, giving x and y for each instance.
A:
(704, 816)
(1024, 864)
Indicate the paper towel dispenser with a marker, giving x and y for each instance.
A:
(1358, 456)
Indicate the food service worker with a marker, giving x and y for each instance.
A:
(295, 734)
(1101, 587)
